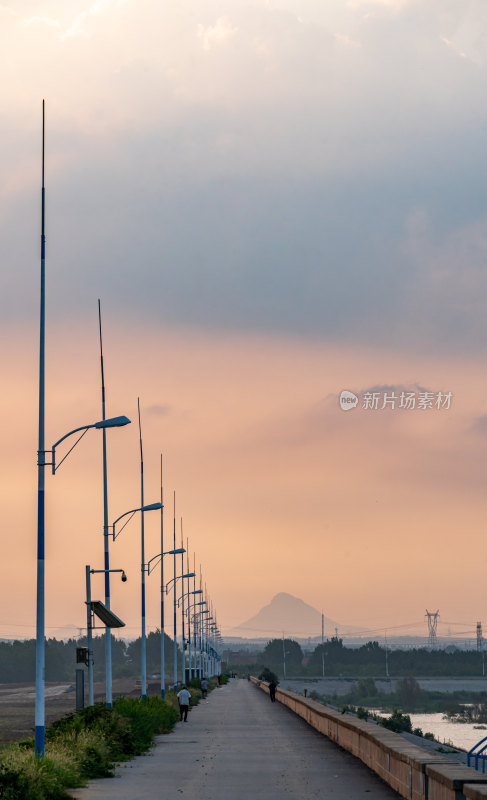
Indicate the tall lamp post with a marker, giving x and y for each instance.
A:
(150, 569)
(197, 638)
(207, 643)
(202, 658)
(143, 508)
(40, 623)
(187, 612)
(175, 580)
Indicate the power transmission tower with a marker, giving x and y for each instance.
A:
(479, 637)
(432, 625)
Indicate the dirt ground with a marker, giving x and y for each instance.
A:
(17, 703)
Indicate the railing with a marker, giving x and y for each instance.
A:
(478, 755)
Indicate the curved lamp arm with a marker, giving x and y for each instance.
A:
(130, 514)
(150, 569)
(178, 577)
(113, 422)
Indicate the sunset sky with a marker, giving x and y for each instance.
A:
(275, 201)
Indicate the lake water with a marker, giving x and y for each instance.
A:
(462, 735)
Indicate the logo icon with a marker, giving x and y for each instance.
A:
(348, 400)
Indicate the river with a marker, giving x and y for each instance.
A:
(459, 734)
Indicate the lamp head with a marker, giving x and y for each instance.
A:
(151, 507)
(113, 422)
(124, 577)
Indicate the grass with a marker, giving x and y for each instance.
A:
(87, 744)
(82, 746)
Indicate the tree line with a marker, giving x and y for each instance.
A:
(371, 659)
(17, 658)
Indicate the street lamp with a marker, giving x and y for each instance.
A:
(202, 660)
(150, 569)
(114, 422)
(41, 464)
(187, 594)
(197, 636)
(175, 580)
(207, 644)
(108, 617)
(142, 508)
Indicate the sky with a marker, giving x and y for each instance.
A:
(276, 201)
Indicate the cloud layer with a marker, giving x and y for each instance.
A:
(300, 168)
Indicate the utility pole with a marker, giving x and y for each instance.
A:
(283, 655)
(322, 644)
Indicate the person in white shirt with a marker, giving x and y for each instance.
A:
(184, 697)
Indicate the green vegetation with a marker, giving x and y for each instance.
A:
(17, 659)
(475, 712)
(369, 660)
(409, 697)
(83, 745)
(268, 675)
(87, 744)
(273, 656)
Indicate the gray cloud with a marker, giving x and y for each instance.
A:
(322, 176)
(158, 410)
(480, 425)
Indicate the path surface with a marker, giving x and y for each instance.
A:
(237, 745)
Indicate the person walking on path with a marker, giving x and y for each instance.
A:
(184, 697)
(272, 691)
(204, 687)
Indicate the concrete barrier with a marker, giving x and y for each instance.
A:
(472, 792)
(414, 773)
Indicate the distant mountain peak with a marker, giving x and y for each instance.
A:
(285, 614)
(286, 596)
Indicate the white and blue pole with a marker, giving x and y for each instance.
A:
(174, 603)
(41, 460)
(106, 561)
(142, 564)
(183, 656)
(163, 663)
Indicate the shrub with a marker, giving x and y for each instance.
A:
(268, 676)
(408, 692)
(147, 716)
(397, 722)
(81, 746)
(366, 687)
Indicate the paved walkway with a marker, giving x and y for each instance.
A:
(238, 745)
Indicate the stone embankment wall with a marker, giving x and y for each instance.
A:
(414, 773)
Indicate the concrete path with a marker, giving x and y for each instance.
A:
(238, 745)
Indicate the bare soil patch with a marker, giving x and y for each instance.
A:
(17, 704)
